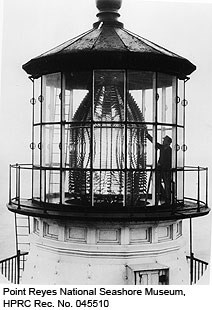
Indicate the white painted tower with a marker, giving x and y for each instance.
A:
(108, 170)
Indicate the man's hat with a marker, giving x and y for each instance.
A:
(168, 138)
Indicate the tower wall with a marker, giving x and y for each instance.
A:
(66, 252)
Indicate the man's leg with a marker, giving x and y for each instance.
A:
(167, 184)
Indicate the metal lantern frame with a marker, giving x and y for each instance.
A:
(42, 198)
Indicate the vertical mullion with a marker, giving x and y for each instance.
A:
(125, 137)
(33, 133)
(143, 102)
(154, 145)
(100, 158)
(41, 135)
(174, 135)
(163, 112)
(184, 133)
(111, 154)
(92, 136)
(62, 140)
(43, 144)
(51, 127)
(69, 119)
(176, 139)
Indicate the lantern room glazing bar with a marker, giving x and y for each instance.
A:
(164, 100)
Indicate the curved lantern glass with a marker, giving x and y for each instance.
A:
(100, 134)
(103, 142)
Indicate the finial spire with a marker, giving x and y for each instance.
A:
(108, 11)
(108, 5)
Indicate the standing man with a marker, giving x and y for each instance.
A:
(164, 169)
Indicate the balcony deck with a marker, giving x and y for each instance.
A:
(188, 209)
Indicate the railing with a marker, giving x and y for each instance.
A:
(197, 268)
(193, 188)
(12, 268)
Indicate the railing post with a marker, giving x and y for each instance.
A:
(19, 186)
(198, 190)
(45, 186)
(16, 181)
(191, 253)
(10, 185)
(18, 266)
(32, 177)
(206, 188)
(192, 268)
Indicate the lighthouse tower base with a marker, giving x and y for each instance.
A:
(75, 252)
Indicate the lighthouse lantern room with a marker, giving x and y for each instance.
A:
(108, 180)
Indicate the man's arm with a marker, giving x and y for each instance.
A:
(150, 138)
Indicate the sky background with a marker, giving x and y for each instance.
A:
(32, 27)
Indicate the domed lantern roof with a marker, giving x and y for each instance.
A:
(108, 40)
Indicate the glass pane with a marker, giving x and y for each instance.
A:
(51, 186)
(78, 187)
(36, 184)
(78, 156)
(67, 148)
(166, 98)
(108, 187)
(136, 188)
(140, 96)
(37, 104)
(181, 103)
(180, 147)
(148, 146)
(136, 146)
(180, 186)
(108, 146)
(37, 145)
(78, 96)
(109, 96)
(26, 183)
(51, 97)
(51, 145)
(180, 164)
(79, 146)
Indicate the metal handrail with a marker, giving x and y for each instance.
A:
(12, 267)
(30, 166)
(197, 268)
(21, 167)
